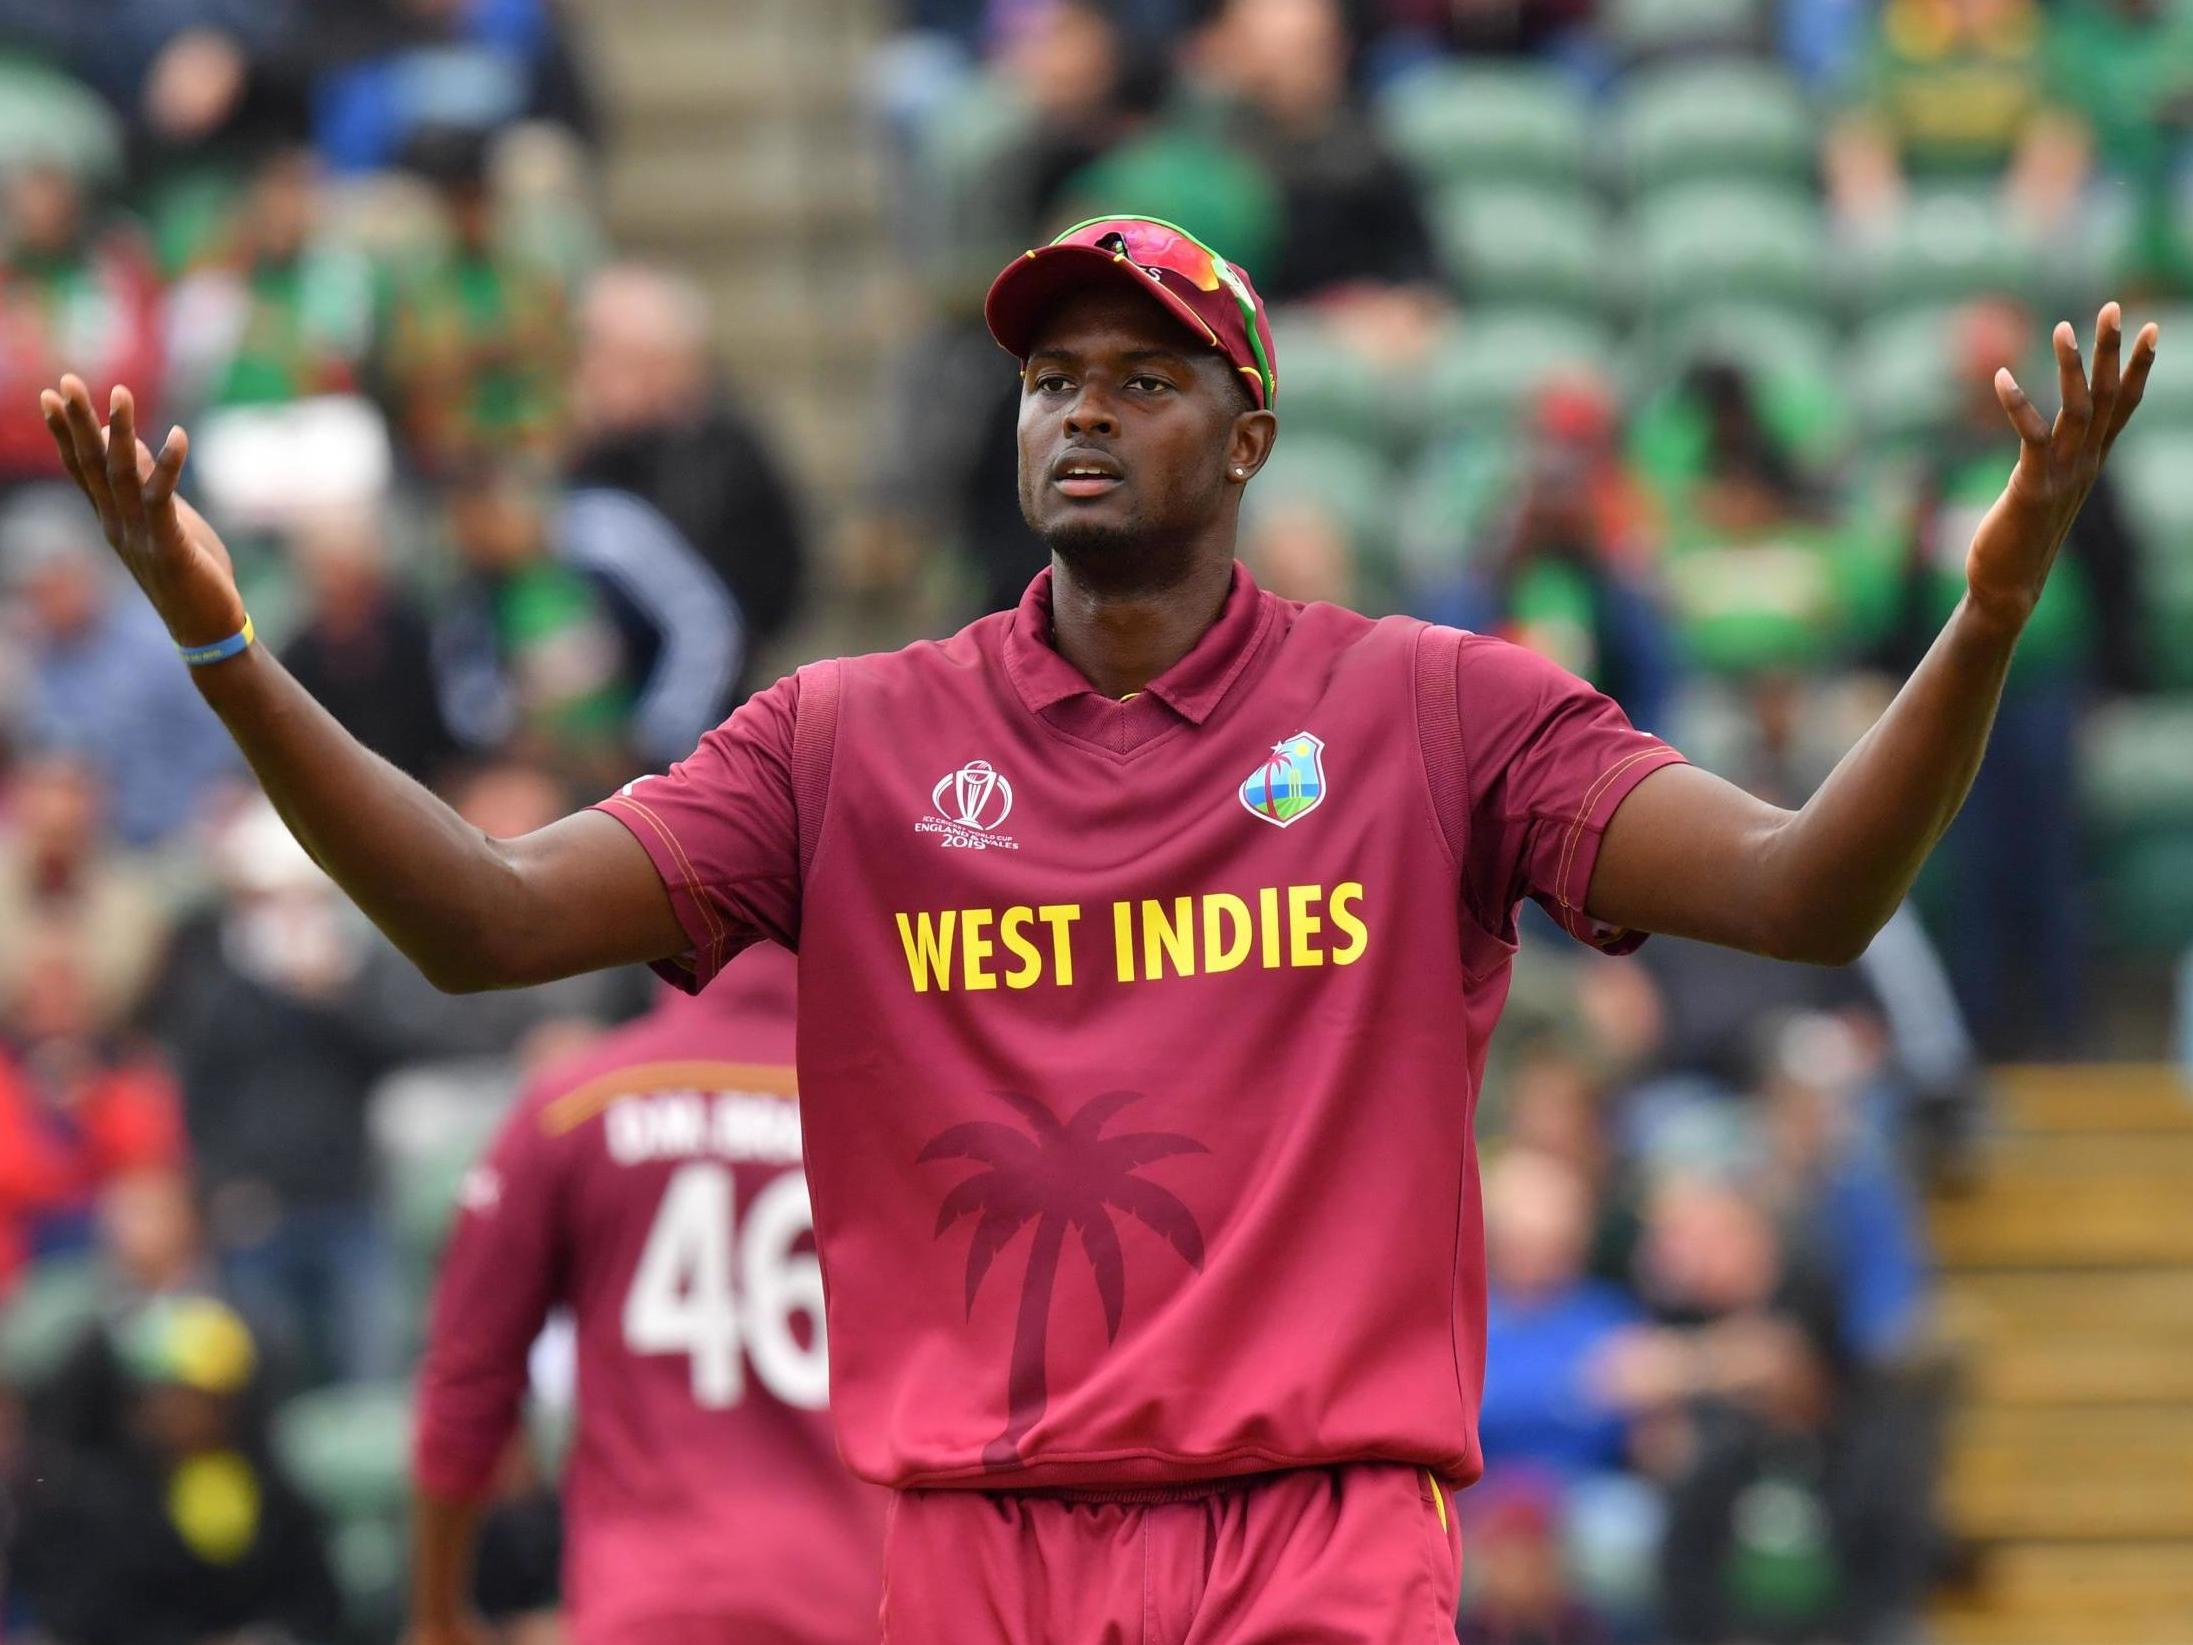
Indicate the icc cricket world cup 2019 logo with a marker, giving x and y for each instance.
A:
(968, 807)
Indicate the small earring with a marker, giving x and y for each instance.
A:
(1241, 474)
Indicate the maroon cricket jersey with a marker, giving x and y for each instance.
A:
(653, 1187)
(1140, 1041)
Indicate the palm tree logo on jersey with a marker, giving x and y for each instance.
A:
(1058, 1176)
(1290, 783)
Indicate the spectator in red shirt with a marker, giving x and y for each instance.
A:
(74, 294)
(75, 1111)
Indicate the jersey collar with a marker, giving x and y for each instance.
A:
(1191, 689)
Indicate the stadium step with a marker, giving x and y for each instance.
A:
(2068, 1284)
(737, 154)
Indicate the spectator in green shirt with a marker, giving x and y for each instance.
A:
(2127, 67)
(477, 339)
(1957, 91)
(274, 312)
(1763, 573)
(78, 292)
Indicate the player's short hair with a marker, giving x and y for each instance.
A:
(1244, 398)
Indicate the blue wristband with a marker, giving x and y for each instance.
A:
(199, 656)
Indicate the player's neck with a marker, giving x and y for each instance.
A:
(1121, 641)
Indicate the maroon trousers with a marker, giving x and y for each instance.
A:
(1366, 1554)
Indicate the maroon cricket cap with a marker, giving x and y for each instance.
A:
(1209, 295)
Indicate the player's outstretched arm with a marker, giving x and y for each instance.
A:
(1694, 856)
(472, 912)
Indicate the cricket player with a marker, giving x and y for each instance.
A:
(1149, 938)
(653, 1188)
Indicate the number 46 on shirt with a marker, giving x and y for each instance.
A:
(725, 1294)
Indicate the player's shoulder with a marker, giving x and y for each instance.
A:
(964, 657)
(1347, 637)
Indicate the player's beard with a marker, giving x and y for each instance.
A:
(1118, 557)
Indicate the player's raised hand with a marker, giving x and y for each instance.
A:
(2016, 544)
(175, 557)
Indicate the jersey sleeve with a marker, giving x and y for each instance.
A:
(501, 1273)
(722, 829)
(1548, 761)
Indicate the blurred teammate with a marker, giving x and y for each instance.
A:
(1150, 936)
(652, 1186)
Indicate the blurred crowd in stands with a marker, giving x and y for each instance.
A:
(1653, 333)
(490, 503)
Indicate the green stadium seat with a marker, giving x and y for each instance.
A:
(1524, 245)
(2154, 476)
(2167, 406)
(47, 117)
(1765, 338)
(1326, 388)
(1899, 376)
(1719, 120)
(368, 1558)
(348, 1447)
(1640, 29)
(1483, 377)
(54, 1305)
(1352, 481)
(1708, 242)
(1479, 123)
(1452, 493)
(423, 1198)
(1944, 247)
(2144, 892)
(2134, 775)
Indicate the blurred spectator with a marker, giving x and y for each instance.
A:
(1850, 1206)
(60, 877)
(476, 336)
(2127, 67)
(187, 73)
(1924, 1079)
(1300, 550)
(186, 1531)
(995, 158)
(1762, 572)
(151, 1245)
(588, 629)
(1349, 212)
(100, 677)
(653, 419)
(396, 68)
(77, 1108)
(365, 650)
(1556, 1104)
(77, 294)
(1733, 1393)
(273, 311)
(1957, 92)
(1841, 1192)
(277, 1061)
(2010, 863)
(1545, 1323)
(1518, 1591)
(1563, 569)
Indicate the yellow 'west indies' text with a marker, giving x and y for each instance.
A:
(1150, 938)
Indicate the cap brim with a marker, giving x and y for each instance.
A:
(1037, 282)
